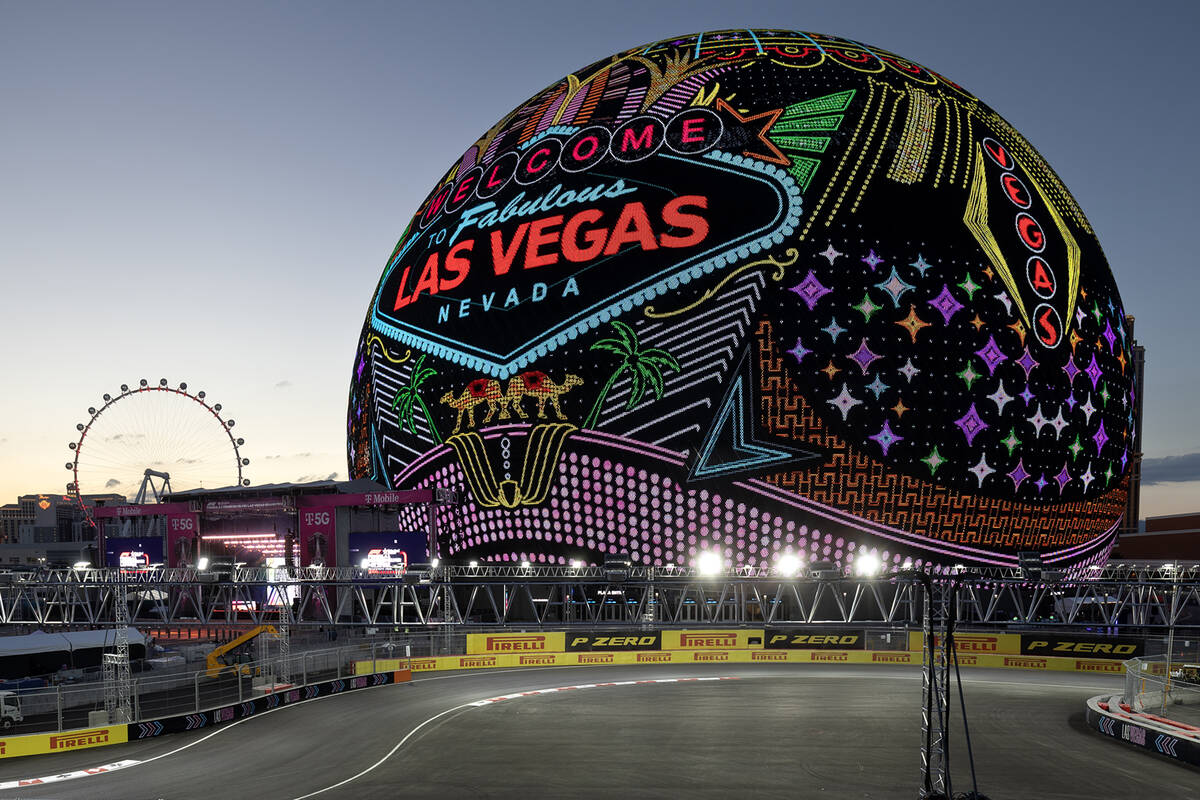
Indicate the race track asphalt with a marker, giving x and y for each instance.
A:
(768, 730)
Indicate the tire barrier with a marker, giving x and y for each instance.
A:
(1157, 734)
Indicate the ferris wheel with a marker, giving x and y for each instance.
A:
(150, 440)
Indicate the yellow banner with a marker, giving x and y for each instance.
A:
(737, 639)
(42, 743)
(747, 656)
(974, 643)
(496, 643)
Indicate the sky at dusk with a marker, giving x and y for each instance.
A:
(207, 192)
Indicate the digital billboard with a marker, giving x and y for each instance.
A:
(754, 292)
(133, 553)
(388, 553)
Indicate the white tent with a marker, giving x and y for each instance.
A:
(41, 642)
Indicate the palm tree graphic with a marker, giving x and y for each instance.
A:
(645, 368)
(408, 397)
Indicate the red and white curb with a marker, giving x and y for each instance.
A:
(578, 686)
(66, 776)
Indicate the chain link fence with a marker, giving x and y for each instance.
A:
(187, 687)
(1169, 687)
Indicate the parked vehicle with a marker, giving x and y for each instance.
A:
(10, 710)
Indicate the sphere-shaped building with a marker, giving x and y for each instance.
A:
(754, 292)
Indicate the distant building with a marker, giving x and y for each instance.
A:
(1133, 505)
(30, 527)
(1173, 537)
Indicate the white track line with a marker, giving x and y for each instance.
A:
(491, 700)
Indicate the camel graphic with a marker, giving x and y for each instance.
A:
(537, 385)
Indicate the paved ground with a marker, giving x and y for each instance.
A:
(778, 730)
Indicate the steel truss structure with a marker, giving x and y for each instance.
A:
(587, 596)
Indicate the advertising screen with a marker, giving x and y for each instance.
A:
(388, 553)
(133, 553)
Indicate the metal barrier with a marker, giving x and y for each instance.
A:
(1160, 684)
(186, 689)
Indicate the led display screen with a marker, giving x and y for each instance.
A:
(133, 553)
(388, 553)
(753, 292)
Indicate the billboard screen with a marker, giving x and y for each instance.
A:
(388, 553)
(133, 553)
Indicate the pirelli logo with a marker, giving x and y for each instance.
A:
(967, 660)
(976, 643)
(1025, 663)
(3, 748)
(595, 658)
(477, 661)
(515, 644)
(829, 656)
(422, 664)
(714, 656)
(891, 658)
(71, 740)
(1099, 666)
(713, 640)
(526, 661)
(653, 658)
(759, 655)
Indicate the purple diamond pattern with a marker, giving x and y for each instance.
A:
(872, 260)
(946, 304)
(1093, 371)
(799, 351)
(1062, 478)
(1027, 362)
(886, 438)
(1018, 475)
(863, 356)
(991, 355)
(811, 290)
(1100, 438)
(1109, 336)
(1071, 370)
(971, 424)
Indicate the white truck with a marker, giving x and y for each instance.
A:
(10, 710)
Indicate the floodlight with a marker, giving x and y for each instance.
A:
(709, 562)
(789, 565)
(867, 565)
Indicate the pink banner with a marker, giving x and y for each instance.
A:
(385, 498)
(182, 532)
(318, 541)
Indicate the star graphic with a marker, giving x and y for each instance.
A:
(971, 424)
(1019, 474)
(1059, 423)
(1071, 401)
(810, 290)
(1075, 447)
(1011, 441)
(913, 323)
(833, 329)
(866, 307)
(977, 322)
(900, 408)
(908, 370)
(1062, 478)
(920, 265)
(1003, 298)
(1088, 408)
(830, 370)
(1038, 421)
(830, 254)
(1041, 483)
(981, 470)
(895, 287)
(1026, 395)
(844, 402)
(799, 351)
(863, 356)
(877, 386)
(1019, 327)
(968, 375)
(1080, 316)
(1087, 478)
(768, 118)
(362, 364)
(933, 460)
(969, 286)
(1000, 397)
(871, 260)
(988, 272)
(886, 438)
(1075, 339)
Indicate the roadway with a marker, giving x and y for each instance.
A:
(768, 730)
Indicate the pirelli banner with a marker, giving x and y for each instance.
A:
(974, 643)
(497, 643)
(1081, 646)
(614, 640)
(813, 639)
(42, 743)
(733, 639)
